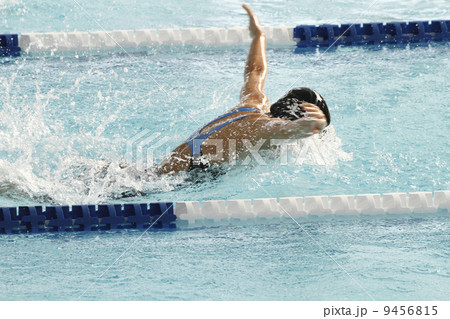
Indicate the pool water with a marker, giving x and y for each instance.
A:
(66, 15)
(389, 258)
(65, 119)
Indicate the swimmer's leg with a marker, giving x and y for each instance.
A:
(252, 93)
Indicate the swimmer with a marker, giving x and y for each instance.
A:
(299, 114)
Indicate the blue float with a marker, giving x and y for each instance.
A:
(110, 216)
(371, 33)
(59, 218)
(9, 220)
(9, 45)
(85, 217)
(137, 215)
(163, 215)
(32, 218)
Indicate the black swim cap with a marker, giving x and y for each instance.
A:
(288, 107)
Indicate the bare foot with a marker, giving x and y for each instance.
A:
(254, 27)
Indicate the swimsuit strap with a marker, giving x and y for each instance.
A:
(196, 139)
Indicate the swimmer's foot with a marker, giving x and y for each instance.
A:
(254, 27)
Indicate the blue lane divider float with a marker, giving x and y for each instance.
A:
(303, 36)
(35, 219)
(9, 45)
(371, 33)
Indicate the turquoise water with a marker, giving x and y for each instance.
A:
(389, 258)
(66, 15)
(65, 120)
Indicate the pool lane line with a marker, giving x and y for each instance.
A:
(39, 219)
(301, 36)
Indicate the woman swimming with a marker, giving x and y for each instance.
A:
(300, 113)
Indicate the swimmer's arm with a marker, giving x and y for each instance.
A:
(256, 66)
(177, 161)
(303, 127)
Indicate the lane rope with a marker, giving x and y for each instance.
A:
(35, 219)
(302, 36)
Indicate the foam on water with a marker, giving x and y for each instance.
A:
(46, 163)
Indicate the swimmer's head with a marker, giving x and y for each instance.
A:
(288, 107)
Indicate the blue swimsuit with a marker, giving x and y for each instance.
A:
(196, 139)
